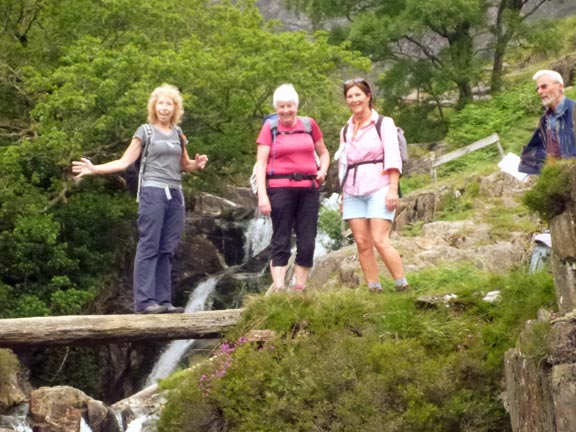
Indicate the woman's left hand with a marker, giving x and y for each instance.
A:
(321, 177)
(391, 200)
(201, 161)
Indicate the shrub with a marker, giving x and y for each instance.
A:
(551, 193)
(330, 222)
(502, 113)
(348, 360)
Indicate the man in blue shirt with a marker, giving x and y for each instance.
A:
(555, 136)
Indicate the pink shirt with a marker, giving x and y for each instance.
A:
(293, 153)
(366, 146)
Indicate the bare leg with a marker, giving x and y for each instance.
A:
(380, 233)
(301, 274)
(278, 275)
(362, 235)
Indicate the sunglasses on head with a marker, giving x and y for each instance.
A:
(355, 81)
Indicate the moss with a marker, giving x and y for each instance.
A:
(535, 340)
(8, 363)
(9, 367)
(551, 194)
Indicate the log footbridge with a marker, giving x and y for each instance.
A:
(103, 329)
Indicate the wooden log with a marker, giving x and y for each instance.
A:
(102, 329)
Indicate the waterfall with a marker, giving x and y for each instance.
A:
(258, 235)
(259, 232)
(84, 426)
(136, 424)
(21, 427)
(171, 356)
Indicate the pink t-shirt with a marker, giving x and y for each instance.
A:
(292, 153)
(365, 146)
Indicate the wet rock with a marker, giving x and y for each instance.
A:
(62, 408)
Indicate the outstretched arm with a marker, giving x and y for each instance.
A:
(84, 166)
(198, 163)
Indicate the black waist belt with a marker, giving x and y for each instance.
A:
(355, 165)
(293, 176)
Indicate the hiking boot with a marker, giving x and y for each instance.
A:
(376, 290)
(153, 309)
(403, 288)
(174, 309)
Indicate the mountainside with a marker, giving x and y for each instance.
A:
(275, 9)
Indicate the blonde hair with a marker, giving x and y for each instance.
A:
(173, 93)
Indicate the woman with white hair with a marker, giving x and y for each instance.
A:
(288, 179)
(161, 202)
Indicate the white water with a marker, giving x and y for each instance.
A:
(136, 424)
(119, 420)
(84, 426)
(168, 361)
(258, 235)
(21, 427)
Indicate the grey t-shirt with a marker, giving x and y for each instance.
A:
(163, 162)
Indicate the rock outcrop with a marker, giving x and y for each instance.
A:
(62, 409)
(438, 241)
(563, 231)
(541, 390)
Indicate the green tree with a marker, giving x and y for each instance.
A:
(409, 32)
(438, 46)
(509, 23)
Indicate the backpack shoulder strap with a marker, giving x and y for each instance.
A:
(307, 122)
(379, 126)
(345, 131)
(148, 138)
(181, 136)
(273, 122)
(149, 133)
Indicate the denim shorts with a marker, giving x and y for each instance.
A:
(371, 206)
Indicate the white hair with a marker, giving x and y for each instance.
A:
(285, 93)
(555, 76)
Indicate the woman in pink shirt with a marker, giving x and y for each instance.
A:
(369, 170)
(288, 180)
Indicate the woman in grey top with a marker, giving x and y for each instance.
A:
(161, 203)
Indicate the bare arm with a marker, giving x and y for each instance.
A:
(392, 195)
(198, 163)
(261, 161)
(84, 166)
(324, 156)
